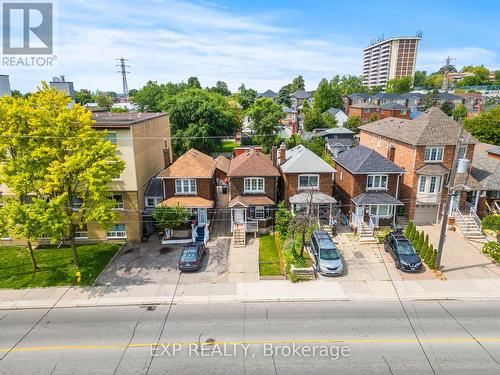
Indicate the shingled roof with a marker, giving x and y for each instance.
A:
(252, 163)
(193, 164)
(433, 127)
(361, 159)
(302, 160)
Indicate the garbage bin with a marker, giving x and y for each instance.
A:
(224, 189)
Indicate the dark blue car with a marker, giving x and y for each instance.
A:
(404, 255)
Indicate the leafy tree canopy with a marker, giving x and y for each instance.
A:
(486, 126)
(399, 85)
(266, 116)
(83, 96)
(353, 123)
(170, 217)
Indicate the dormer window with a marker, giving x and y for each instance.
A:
(434, 154)
(185, 186)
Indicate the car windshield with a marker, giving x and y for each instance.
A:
(188, 255)
(329, 254)
(405, 248)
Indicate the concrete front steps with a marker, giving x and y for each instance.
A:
(239, 238)
(366, 235)
(402, 221)
(470, 229)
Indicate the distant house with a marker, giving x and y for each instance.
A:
(190, 183)
(268, 94)
(253, 191)
(221, 169)
(368, 186)
(473, 102)
(337, 139)
(364, 110)
(307, 182)
(339, 115)
(394, 110)
(298, 97)
(356, 98)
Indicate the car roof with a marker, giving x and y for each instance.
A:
(324, 239)
(400, 237)
(191, 246)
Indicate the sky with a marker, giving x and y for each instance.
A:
(263, 44)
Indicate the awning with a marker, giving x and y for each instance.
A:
(187, 202)
(432, 170)
(251, 200)
(312, 197)
(376, 198)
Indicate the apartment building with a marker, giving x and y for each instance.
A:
(388, 59)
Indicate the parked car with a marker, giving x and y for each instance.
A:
(192, 256)
(326, 255)
(404, 255)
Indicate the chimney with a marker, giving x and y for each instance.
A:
(5, 85)
(274, 155)
(166, 157)
(282, 154)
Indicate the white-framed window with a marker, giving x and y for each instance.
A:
(81, 232)
(111, 136)
(117, 231)
(403, 112)
(381, 210)
(366, 110)
(118, 177)
(308, 181)
(430, 184)
(152, 202)
(260, 212)
(434, 153)
(462, 151)
(376, 182)
(421, 184)
(379, 141)
(185, 186)
(254, 185)
(118, 198)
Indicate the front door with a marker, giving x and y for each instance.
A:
(239, 215)
(202, 216)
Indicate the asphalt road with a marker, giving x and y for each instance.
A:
(450, 337)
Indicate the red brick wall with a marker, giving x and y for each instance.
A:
(237, 187)
(291, 183)
(205, 188)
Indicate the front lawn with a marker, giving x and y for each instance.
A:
(227, 145)
(269, 260)
(56, 265)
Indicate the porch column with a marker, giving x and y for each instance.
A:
(394, 207)
(476, 202)
(452, 203)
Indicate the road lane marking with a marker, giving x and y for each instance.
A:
(259, 342)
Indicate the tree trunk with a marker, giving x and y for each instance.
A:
(32, 256)
(302, 242)
(74, 253)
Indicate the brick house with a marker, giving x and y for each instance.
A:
(368, 187)
(307, 182)
(425, 148)
(394, 110)
(367, 111)
(253, 191)
(473, 102)
(190, 183)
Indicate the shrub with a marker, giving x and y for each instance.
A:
(492, 249)
(491, 222)
(432, 263)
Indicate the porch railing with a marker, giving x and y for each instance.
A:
(373, 223)
(357, 222)
(252, 226)
(471, 210)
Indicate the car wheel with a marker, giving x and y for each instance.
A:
(396, 263)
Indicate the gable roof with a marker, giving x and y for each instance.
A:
(252, 163)
(433, 127)
(361, 159)
(222, 163)
(268, 94)
(448, 96)
(359, 95)
(387, 95)
(333, 111)
(193, 164)
(302, 160)
(394, 106)
(334, 131)
(486, 169)
(301, 94)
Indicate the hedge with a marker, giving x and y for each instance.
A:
(492, 249)
(420, 242)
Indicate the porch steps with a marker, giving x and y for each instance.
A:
(200, 234)
(470, 229)
(402, 221)
(366, 235)
(239, 238)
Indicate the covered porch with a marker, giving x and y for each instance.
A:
(251, 213)
(201, 210)
(321, 205)
(375, 209)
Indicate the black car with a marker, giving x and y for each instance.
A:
(192, 256)
(402, 251)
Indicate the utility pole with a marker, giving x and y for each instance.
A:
(451, 181)
(123, 71)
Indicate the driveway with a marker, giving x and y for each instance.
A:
(153, 263)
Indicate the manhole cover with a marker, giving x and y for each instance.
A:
(128, 251)
(359, 254)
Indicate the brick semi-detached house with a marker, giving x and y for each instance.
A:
(425, 148)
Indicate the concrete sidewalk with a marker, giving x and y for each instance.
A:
(273, 290)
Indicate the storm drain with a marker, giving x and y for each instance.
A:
(359, 254)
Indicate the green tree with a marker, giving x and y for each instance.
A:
(170, 217)
(330, 120)
(399, 85)
(16, 94)
(430, 99)
(83, 96)
(352, 84)
(221, 88)
(103, 100)
(434, 81)
(419, 78)
(298, 83)
(460, 112)
(246, 97)
(324, 96)
(491, 222)
(447, 108)
(266, 116)
(353, 123)
(481, 76)
(200, 119)
(486, 126)
(149, 97)
(314, 119)
(283, 217)
(284, 96)
(194, 83)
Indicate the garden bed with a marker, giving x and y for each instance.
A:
(269, 258)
